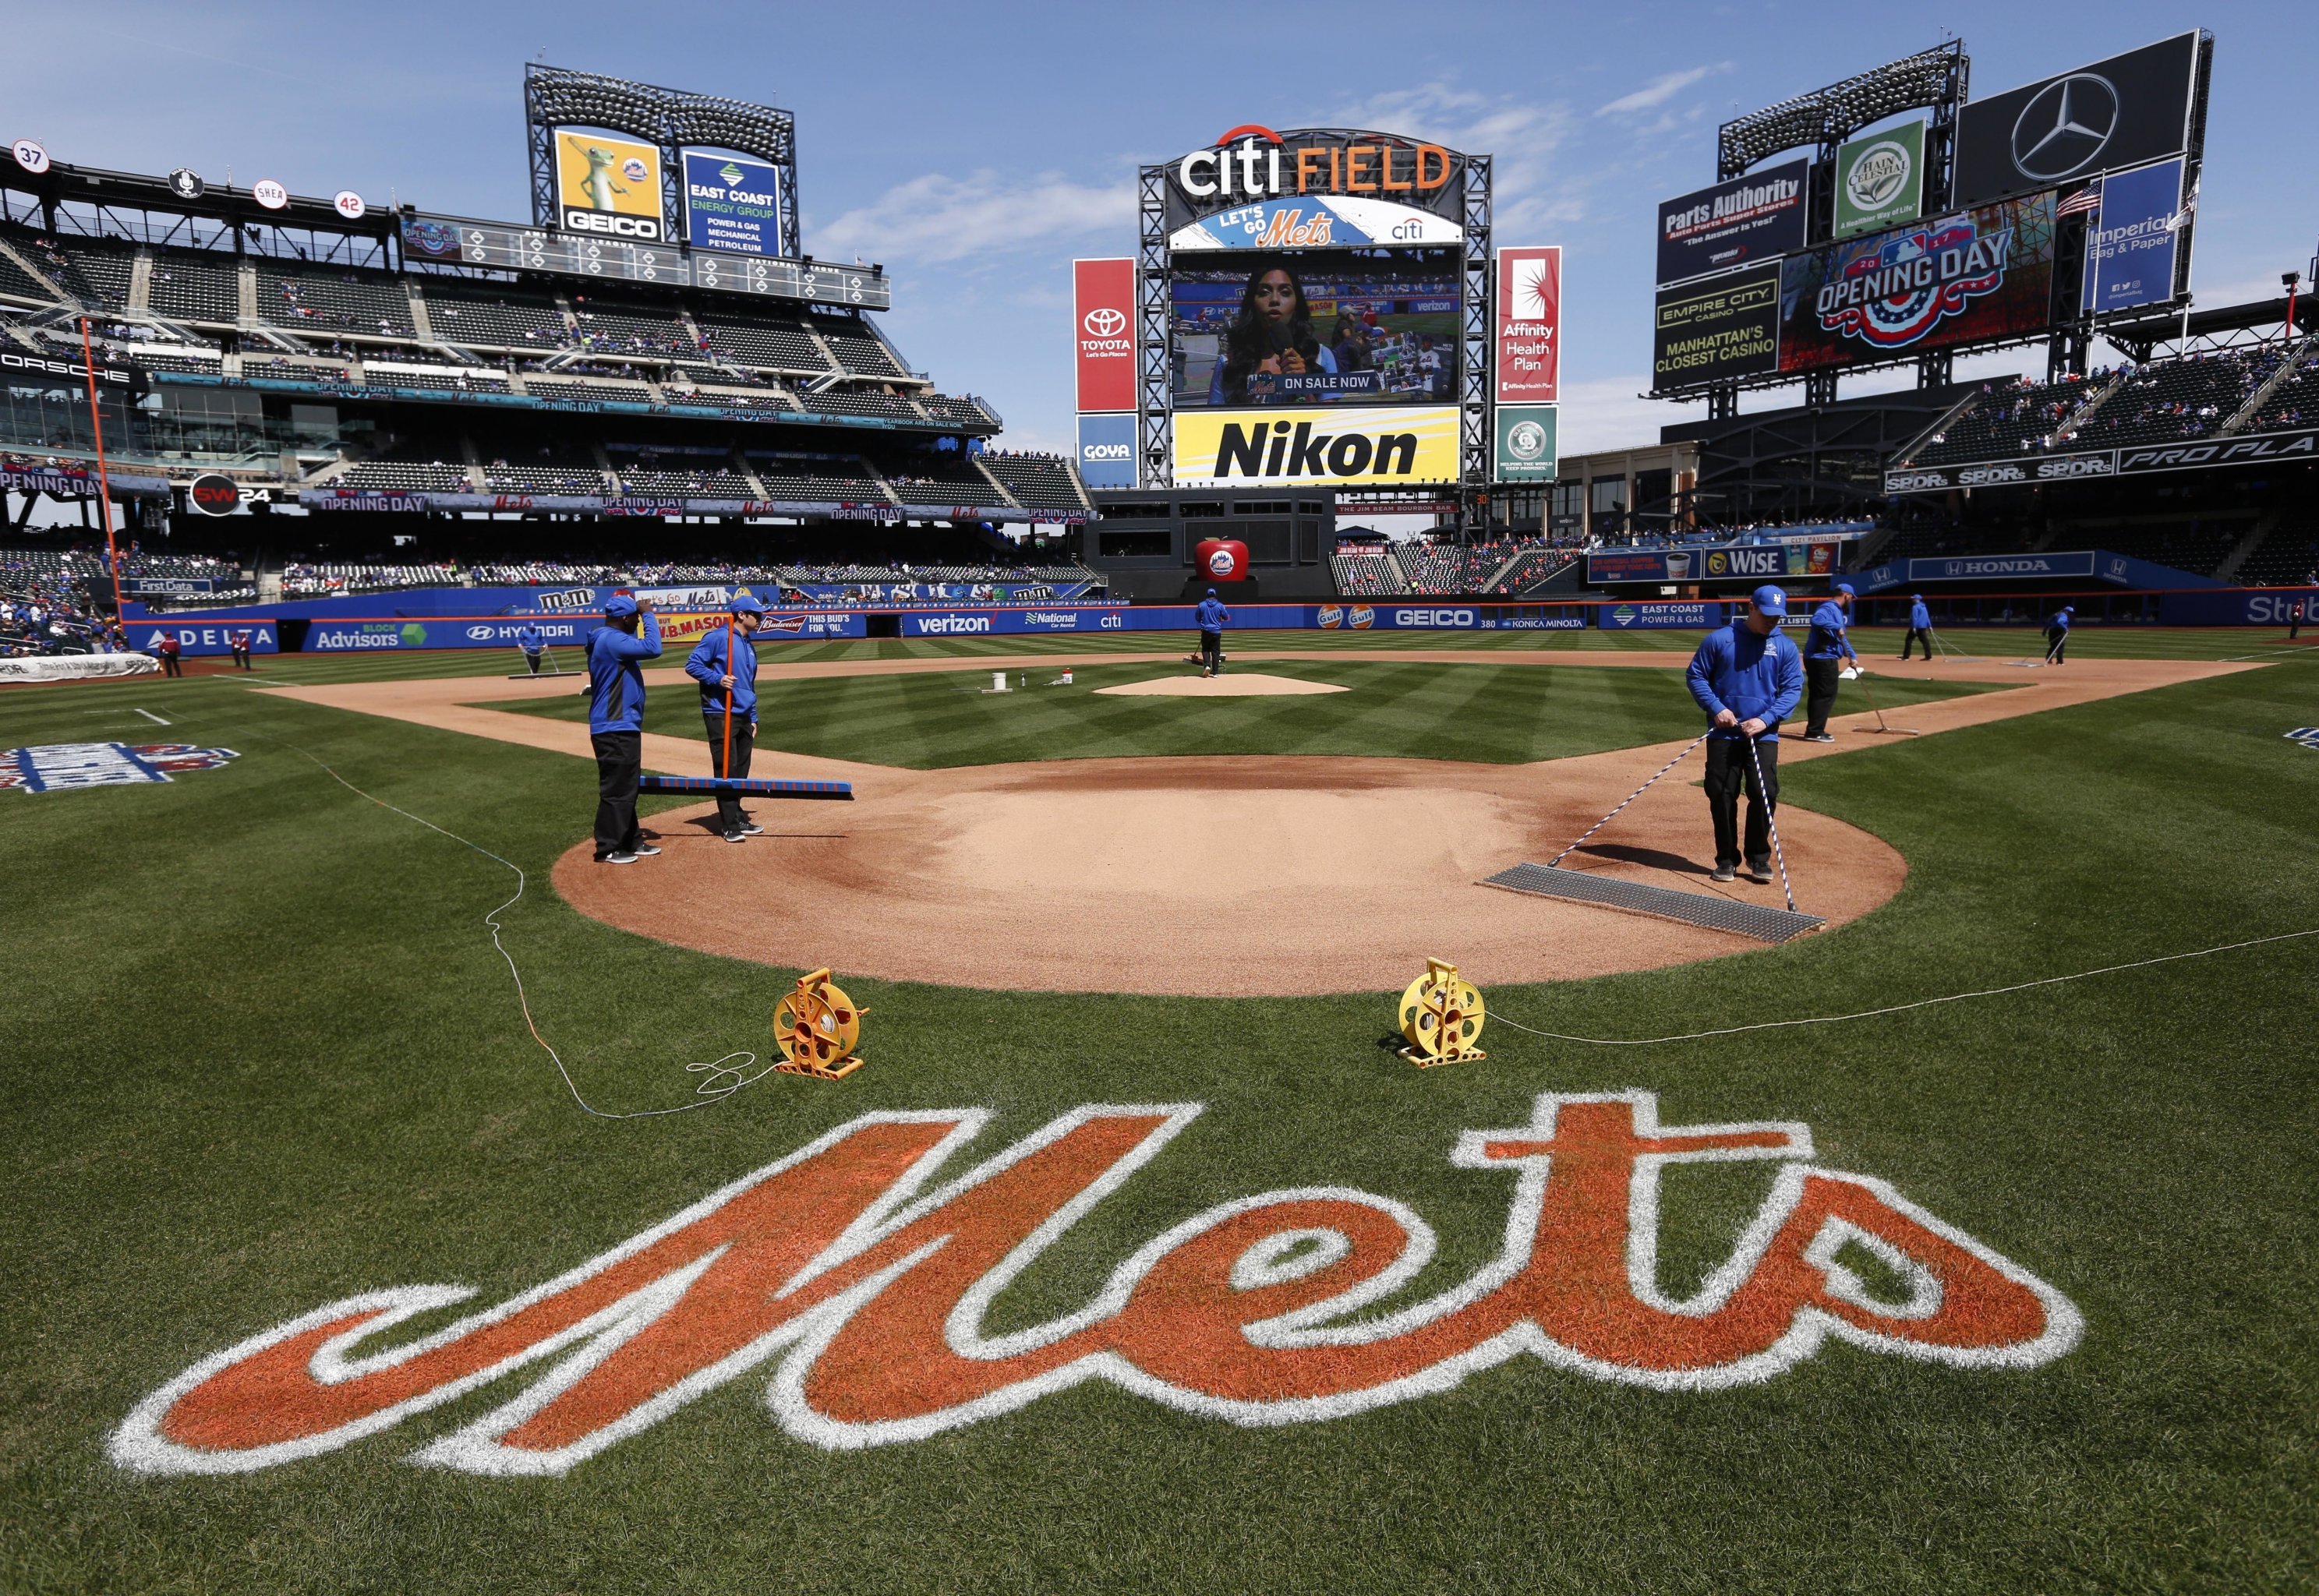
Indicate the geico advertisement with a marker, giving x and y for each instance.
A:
(1348, 446)
(607, 186)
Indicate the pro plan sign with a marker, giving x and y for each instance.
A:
(1103, 333)
(1530, 325)
(853, 1281)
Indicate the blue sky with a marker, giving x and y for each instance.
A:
(976, 149)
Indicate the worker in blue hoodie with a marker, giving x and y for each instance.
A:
(531, 640)
(1212, 617)
(1920, 626)
(1747, 676)
(1826, 648)
(2057, 634)
(725, 665)
(616, 722)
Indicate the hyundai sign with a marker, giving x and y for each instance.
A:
(1107, 450)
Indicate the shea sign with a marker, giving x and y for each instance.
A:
(853, 1281)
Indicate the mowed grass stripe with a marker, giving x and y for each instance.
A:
(1490, 713)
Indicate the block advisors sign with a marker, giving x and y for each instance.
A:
(1749, 218)
(1103, 333)
(1530, 325)
(1713, 331)
(731, 202)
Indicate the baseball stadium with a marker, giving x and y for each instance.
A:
(742, 984)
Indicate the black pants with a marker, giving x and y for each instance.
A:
(1729, 769)
(169, 666)
(242, 659)
(619, 762)
(1819, 679)
(729, 816)
(2057, 644)
(533, 660)
(1212, 651)
(1916, 635)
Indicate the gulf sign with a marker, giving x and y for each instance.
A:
(1348, 447)
(1529, 320)
(1103, 333)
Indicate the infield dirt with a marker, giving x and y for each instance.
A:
(1229, 876)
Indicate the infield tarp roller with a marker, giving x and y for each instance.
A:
(1693, 909)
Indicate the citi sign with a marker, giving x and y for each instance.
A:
(1253, 162)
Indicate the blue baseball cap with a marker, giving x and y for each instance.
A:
(1212, 592)
(1846, 588)
(618, 605)
(1769, 600)
(747, 604)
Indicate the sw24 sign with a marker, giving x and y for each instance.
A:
(864, 1287)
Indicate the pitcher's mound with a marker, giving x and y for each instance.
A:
(1220, 687)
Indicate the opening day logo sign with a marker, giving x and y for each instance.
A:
(67, 767)
(865, 1288)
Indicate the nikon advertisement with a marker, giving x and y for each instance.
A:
(1717, 330)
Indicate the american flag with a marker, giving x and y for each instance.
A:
(2087, 198)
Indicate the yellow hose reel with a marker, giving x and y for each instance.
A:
(816, 1028)
(1441, 1017)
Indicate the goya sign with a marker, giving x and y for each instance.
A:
(858, 1288)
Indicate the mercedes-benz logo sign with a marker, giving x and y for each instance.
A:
(2065, 127)
(1105, 322)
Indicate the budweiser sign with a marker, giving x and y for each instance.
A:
(857, 1286)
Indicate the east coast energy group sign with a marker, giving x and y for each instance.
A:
(855, 1283)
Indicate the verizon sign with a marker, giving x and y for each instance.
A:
(1103, 333)
(1530, 325)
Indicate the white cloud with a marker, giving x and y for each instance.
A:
(1528, 189)
(1610, 413)
(938, 218)
(1659, 90)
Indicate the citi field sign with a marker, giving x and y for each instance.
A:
(1253, 162)
(854, 1280)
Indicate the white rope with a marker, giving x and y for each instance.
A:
(1629, 798)
(1771, 822)
(722, 1077)
(1499, 1014)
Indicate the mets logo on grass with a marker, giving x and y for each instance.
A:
(68, 767)
(854, 1280)
(1898, 293)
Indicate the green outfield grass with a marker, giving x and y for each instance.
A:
(1495, 714)
(260, 1055)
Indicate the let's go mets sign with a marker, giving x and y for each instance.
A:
(864, 1285)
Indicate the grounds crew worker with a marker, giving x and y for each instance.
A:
(730, 679)
(1212, 617)
(1748, 677)
(1826, 649)
(2057, 634)
(616, 723)
(530, 641)
(1920, 626)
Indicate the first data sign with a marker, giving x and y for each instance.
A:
(731, 202)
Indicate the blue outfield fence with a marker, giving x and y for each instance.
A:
(407, 632)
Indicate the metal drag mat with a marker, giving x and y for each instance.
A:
(1693, 909)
